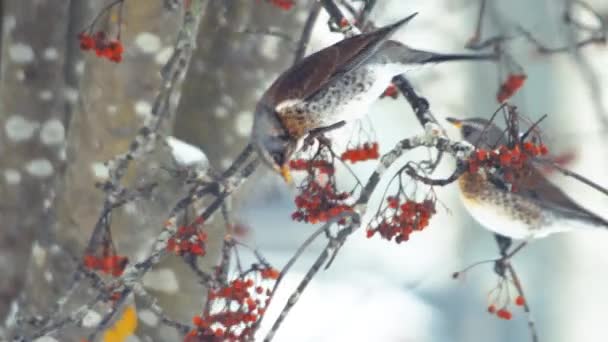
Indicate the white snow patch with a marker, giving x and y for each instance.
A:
(91, 319)
(243, 123)
(143, 109)
(270, 48)
(100, 170)
(52, 132)
(21, 53)
(19, 129)
(50, 54)
(162, 57)
(40, 168)
(12, 176)
(147, 42)
(162, 280)
(186, 154)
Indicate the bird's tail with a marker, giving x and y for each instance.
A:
(397, 52)
(439, 58)
(598, 221)
(586, 217)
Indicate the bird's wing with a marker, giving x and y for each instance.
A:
(530, 182)
(307, 77)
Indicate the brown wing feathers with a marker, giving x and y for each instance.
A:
(305, 78)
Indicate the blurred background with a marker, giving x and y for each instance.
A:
(63, 113)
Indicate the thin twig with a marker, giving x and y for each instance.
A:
(307, 32)
(520, 291)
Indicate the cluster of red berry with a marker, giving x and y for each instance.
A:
(391, 91)
(399, 220)
(504, 312)
(513, 83)
(317, 203)
(112, 265)
(104, 48)
(362, 153)
(506, 159)
(242, 303)
(188, 239)
(320, 165)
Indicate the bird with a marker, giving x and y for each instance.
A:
(330, 87)
(536, 210)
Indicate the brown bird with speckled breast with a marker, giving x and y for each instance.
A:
(330, 87)
(537, 209)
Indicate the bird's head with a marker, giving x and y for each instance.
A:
(272, 141)
(479, 132)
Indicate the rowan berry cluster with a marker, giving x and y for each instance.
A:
(318, 199)
(113, 265)
(322, 166)
(319, 203)
(502, 311)
(513, 83)
(239, 306)
(506, 159)
(367, 151)
(188, 239)
(103, 47)
(401, 217)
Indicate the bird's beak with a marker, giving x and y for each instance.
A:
(285, 173)
(456, 122)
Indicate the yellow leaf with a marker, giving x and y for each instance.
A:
(111, 336)
(124, 327)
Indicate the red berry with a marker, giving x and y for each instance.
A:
(504, 314)
(481, 154)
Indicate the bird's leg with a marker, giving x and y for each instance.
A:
(319, 131)
(504, 243)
